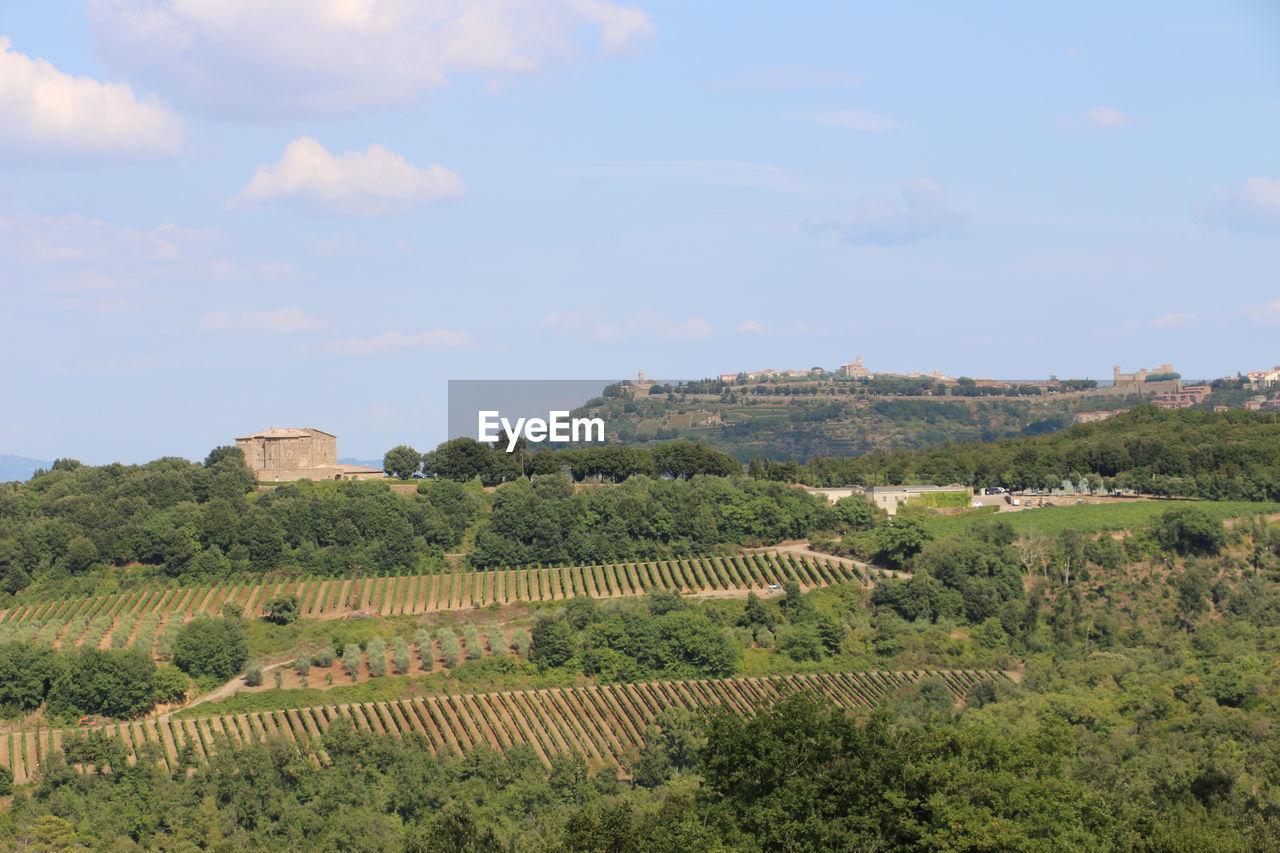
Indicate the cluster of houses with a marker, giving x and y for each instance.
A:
(853, 370)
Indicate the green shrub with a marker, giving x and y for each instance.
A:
(471, 637)
(400, 657)
(497, 639)
(211, 647)
(450, 650)
(351, 659)
(282, 609)
(376, 650)
(521, 641)
(253, 674)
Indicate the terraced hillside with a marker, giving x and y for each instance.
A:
(605, 724)
(142, 617)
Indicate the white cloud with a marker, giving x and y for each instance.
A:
(1107, 118)
(363, 182)
(1173, 321)
(49, 116)
(435, 339)
(76, 238)
(637, 323)
(1252, 205)
(1267, 314)
(924, 212)
(336, 56)
(863, 121)
(88, 264)
(751, 327)
(291, 320)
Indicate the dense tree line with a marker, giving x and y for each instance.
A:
(798, 776)
(1232, 455)
(547, 521)
(1143, 721)
(465, 459)
(190, 521)
(117, 683)
(663, 637)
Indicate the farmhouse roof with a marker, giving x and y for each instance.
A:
(286, 432)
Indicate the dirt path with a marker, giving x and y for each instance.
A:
(231, 687)
(802, 546)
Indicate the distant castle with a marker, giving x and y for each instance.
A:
(282, 455)
(1139, 375)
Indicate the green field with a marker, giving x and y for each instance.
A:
(1091, 518)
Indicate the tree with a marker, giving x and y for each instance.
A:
(553, 643)
(376, 651)
(282, 609)
(450, 648)
(756, 614)
(222, 453)
(854, 512)
(27, 672)
(402, 462)
(211, 647)
(899, 539)
(400, 657)
(81, 554)
(116, 683)
(171, 685)
(460, 459)
(351, 659)
(1190, 530)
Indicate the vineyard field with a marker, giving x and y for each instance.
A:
(142, 617)
(605, 724)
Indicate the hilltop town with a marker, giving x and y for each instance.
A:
(854, 409)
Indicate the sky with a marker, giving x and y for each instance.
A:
(222, 215)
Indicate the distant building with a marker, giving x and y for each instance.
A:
(1264, 378)
(283, 455)
(1261, 404)
(771, 373)
(641, 387)
(891, 498)
(1139, 375)
(855, 369)
(1189, 396)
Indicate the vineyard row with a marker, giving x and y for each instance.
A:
(605, 724)
(448, 591)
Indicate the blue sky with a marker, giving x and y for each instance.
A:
(220, 215)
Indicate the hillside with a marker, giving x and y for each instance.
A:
(1040, 682)
(1232, 455)
(800, 420)
(19, 468)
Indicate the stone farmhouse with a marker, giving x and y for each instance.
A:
(282, 455)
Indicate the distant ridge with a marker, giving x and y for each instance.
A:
(368, 463)
(19, 467)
